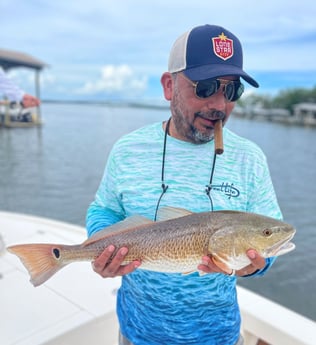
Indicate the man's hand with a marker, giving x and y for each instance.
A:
(257, 263)
(29, 101)
(109, 266)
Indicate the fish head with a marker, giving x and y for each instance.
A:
(268, 236)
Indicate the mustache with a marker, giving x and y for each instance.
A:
(211, 115)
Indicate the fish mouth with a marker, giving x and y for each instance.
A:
(282, 247)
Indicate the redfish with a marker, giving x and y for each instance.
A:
(173, 244)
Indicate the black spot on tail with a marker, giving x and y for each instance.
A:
(56, 252)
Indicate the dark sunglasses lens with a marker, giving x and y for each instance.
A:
(207, 88)
(234, 90)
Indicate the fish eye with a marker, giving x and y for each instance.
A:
(267, 232)
(56, 253)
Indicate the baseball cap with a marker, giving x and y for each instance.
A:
(208, 51)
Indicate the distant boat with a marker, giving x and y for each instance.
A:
(77, 307)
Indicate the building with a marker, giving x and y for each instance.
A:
(305, 113)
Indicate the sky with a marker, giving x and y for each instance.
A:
(106, 49)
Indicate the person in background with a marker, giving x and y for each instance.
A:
(169, 164)
(15, 94)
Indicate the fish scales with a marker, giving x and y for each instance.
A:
(173, 246)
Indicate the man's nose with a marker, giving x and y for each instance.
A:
(218, 101)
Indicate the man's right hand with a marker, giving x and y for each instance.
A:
(109, 266)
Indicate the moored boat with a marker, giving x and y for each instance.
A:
(13, 115)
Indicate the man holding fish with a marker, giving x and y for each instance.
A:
(202, 84)
(178, 216)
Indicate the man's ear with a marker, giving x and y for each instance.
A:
(167, 85)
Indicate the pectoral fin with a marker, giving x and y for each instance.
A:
(188, 272)
(220, 264)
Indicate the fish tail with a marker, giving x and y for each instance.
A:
(41, 260)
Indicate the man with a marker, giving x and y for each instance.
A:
(14, 94)
(171, 162)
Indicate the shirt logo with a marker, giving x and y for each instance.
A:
(223, 47)
(228, 189)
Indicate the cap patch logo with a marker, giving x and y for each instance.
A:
(223, 46)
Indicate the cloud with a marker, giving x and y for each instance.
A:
(76, 40)
(116, 79)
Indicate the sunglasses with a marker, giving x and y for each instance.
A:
(232, 89)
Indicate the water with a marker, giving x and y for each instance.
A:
(54, 172)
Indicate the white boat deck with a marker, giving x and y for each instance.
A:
(74, 297)
(76, 306)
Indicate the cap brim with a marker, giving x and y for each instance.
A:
(216, 71)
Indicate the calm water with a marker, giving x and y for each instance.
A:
(54, 172)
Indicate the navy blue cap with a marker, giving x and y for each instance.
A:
(208, 51)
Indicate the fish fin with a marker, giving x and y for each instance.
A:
(168, 212)
(220, 264)
(188, 272)
(126, 224)
(38, 259)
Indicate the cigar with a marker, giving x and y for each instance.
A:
(218, 137)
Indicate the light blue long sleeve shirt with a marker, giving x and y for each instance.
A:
(157, 308)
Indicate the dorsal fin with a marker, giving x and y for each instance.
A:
(168, 212)
(126, 224)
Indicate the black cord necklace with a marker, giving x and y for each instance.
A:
(165, 187)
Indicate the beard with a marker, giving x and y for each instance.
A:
(186, 128)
